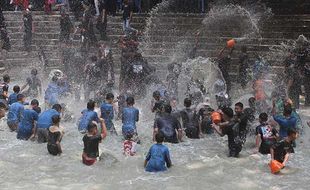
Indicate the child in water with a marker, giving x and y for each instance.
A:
(129, 146)
(91, 142)
(158, 158)
(88, 115)
(15, 112)
(13, 97)
(107, 112)
(281, 151)
(55, 134)
(129, 118)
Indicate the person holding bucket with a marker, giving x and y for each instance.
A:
(281, 151)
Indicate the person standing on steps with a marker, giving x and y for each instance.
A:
(28, 30)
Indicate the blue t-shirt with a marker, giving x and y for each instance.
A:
(12, 98)
(87, 117)
(107, 113)
(52, 93)
(130, 117)
(285, 124)
(15, 112)
(45, 119)
(157, 158)
(27, 123)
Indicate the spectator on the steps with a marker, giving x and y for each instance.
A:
(138, 6)
(88, 34)
(28, 29)
(127, 17)
(66, 27)
(4, 38)
(48, 5)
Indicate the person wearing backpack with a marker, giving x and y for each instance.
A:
(190, 120)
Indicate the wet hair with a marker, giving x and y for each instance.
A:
(54, 78)
(109, 96)
(228, 111)
(287, 110)
(239, 104)
(6, 78)
(251, 101)
(20, 97)
(156, 94)
(291, 132)
(167, 108)
(91, 105)
(57, 107)
(93, 59)
(16, 89)
(55, 119)
(159, 137)
(263, 117)
(91, 127)
(34, 102)
(34, 72)
(187, 102)
(129, 136)
(130, 100)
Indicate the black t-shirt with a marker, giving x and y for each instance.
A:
(28, 22)
(229, 131)
(281, 149)
(190, 118)
(168, 125)
(4, 87)
(53, 137)
(267, 134)
(127, 10)
(91, 144)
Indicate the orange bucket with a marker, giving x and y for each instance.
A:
(275, 166)
(231, 43)
(216, 117)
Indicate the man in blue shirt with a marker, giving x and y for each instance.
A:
(26, 128)
(52, 92)
(158, 157)
(107, 112)
(286, 122)
(13, 97)
(88, 116)
(45, 121)
(15, 112)
(129, 118)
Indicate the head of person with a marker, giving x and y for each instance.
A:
(130, 101)
(34, 72)
(126, 2)
(57, 107)
(156, 95)
(263, 117)
(292, 134)
(21, 98)
(91, 104)
(34, 103)
(109, 98)
(93, 59)
(16, 89)
(129, 136)
(6, 79)
(159, 137)
(187, 102)
(228, 113)
(92, 128)
(167, 108)
(252, 102)
(85, 4)
(173, 102)
(288, 102)
(54, 79)
(238, 108)
(287, 112)
(3, 107)
(56, 119)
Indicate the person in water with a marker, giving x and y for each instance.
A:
(45, 121)
(266, 135)
(227, 128)
(88, 116)
(286, 122)
(27, 126)
(129, 118)
(157, 104)
(34, 85)
(190, 120)
(91, 142)
(158, 157)
(55, 134)
(168, 125)
(15, 112)
(129, 146)
(52, 92)
(107, 112)
(13, 97)
(281, 150)
(4, 89)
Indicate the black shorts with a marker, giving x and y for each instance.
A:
(53, 149)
